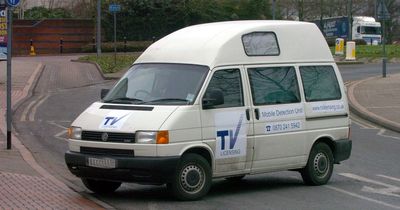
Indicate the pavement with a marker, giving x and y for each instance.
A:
(25, 184)
(377, 100)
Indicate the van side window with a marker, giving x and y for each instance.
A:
(274, 85)
(260, 44)
(320, 83)
(229, 84)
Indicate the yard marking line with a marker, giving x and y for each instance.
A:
(26, 110)
(362, 197)
(388, 190)
(389, 177)
(381, 133)
(362, 122)
(58, 135)
(363, 179)
(89, 75)
(55, 124)
(33, 112)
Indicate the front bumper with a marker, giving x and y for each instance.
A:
(153, 170)
(342, 150)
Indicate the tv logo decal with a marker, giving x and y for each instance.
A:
(231, 135)
(114, 120)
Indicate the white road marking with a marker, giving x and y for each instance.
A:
(382, 131)
(26, 110)
(61, 133)
(362, 123)
(366, 125)
(58, 125)
(389, 190)
(58, 135)
(389, 177)
(34, 108)
(364, 179)
(89, 75)
(362, 197)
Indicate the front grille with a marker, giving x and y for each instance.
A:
(111, 137)
(110, 152)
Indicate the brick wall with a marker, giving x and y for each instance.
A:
(46, 35)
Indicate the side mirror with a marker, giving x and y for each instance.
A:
(103, 93)
(213, 98)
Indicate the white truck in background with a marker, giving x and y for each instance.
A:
(363, 27)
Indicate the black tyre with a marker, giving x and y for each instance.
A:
(192, 179)
(100, 186)
(319, 167)
(235, 178)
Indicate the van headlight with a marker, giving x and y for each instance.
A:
(75, 133)
(152, 137)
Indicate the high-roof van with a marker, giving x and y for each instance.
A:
(217, 100)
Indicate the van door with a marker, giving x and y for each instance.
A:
(326, 106)
(279, 124)
(226, 122)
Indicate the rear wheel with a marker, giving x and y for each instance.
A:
(192, 179)
(100, 186)
(319, 166)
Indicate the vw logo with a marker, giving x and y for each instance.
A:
(104, 136)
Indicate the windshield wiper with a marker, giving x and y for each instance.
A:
(123, 100)
(169, 100)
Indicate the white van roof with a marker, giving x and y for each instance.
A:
(220, 44)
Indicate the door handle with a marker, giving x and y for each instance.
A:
(248, 114)
(257, 112)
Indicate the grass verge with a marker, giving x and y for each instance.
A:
(107, 63)
(372, 52)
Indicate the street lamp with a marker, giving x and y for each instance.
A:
(98, 34)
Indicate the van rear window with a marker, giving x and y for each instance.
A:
(320, 83)
(260, 44)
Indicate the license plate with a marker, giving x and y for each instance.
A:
(102, 162)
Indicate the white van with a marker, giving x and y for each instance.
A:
(218, 100)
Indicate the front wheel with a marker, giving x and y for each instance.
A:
(192, 179)
(100, 186)
(319, 167)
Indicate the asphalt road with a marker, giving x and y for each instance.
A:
(370, 179)
(360, 71)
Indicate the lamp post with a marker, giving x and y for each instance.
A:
(98, 33)
(273, 9)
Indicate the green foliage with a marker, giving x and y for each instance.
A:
(148, 19)
(131, 46)
(372, 51)
(38, 13)
(107, 63)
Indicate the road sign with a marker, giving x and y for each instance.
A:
(382, 11)
(13, 3)
(114, 8)
(3, 33)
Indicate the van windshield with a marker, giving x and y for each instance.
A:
(158, 84)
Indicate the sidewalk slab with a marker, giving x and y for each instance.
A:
(20, 191)
(24, 183)
(377, 99)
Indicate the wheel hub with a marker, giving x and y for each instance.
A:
(321, 164)
(192, 178)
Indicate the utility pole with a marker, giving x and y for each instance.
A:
(350, 19)
(98, 34)
(383, 15)
(10, 7)
(273, 9)
(9, 56)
